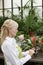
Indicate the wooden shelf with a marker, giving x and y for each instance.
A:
(37, 58)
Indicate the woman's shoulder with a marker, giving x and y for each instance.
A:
(7, 41)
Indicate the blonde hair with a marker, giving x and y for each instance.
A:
(8, 24)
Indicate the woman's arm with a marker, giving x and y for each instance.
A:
(25, 53)
(12, 53)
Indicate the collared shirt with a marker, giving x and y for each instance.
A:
(10, 51)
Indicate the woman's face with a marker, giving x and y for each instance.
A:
(13, 31)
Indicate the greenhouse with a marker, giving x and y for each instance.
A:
(21, 32)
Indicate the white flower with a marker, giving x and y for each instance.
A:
(21, 37)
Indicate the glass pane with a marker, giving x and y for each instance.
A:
(25, 12)
(16, 3)
(0, 4)
(16, 12)
(7, 13)
(37, 3)
(26, 2)
(1, 12)
(39, 11)
(7, 3)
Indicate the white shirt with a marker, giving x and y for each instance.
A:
(11, 52)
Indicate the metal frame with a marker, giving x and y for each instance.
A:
(3, 7)
(21, 10)
(42, 8)
(31, 4)
(12, 8)
(17, 7)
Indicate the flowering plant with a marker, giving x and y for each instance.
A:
(41, 43)
(27, 43)
(24, 43)
(33, 39)
(21, 37)
(37, 42)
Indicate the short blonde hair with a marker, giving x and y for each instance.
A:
(8, 24)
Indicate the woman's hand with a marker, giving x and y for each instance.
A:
(31, 52)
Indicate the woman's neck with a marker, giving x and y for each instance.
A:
(11, 36)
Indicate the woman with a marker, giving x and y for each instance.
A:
(9, 45)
